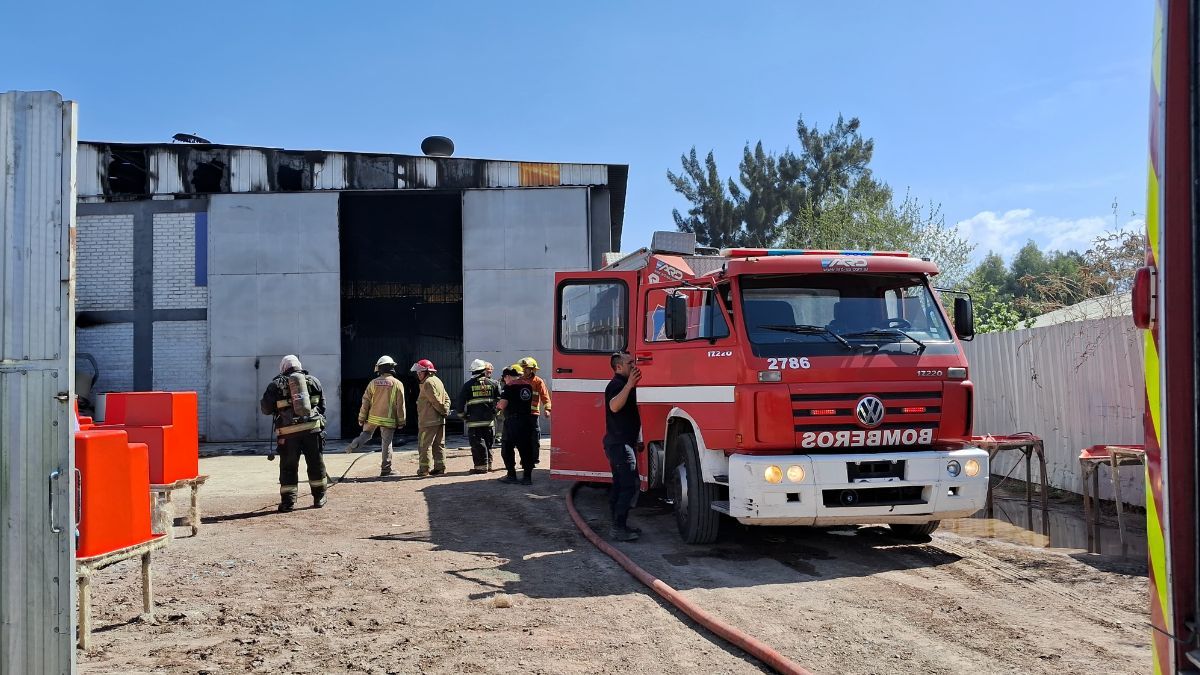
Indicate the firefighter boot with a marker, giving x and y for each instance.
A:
(510, 477)
(622, 534)
(287, 498)
(318, 498)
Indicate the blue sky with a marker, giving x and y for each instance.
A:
(1022, 119)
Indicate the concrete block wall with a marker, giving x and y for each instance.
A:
(175, 263)
(104, 263)
(146, 316)
(181, 361)
(112, 347)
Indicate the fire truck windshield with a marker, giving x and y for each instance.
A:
(819, 314)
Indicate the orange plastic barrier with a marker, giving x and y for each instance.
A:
(114, 495)
(84, 422)
(164, 421)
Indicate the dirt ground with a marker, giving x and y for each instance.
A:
(400, 575)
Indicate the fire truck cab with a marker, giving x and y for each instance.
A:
(779, 387)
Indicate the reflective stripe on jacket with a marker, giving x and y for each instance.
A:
(478, 401)
(383, 403)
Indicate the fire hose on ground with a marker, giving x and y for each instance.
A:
(756, 648)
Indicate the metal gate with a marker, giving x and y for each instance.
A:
(37, 350)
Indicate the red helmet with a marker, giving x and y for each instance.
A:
(424, 365)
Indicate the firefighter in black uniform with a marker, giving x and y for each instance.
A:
(295, 401)
(516, 402)
(478, 402)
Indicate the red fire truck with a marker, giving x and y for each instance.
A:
(1165, 304)
(779, 387)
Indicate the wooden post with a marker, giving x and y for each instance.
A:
(162, 518)
(85, 609)
(194, 511)
(147, 588)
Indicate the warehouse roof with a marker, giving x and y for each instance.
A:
(123, 171)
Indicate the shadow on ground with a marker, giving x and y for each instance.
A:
(527, 544)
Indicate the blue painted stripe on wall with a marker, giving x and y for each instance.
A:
(201, 249)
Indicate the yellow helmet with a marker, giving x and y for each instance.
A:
(516, 368)
(529, 362)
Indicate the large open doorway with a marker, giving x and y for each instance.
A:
(401, 268)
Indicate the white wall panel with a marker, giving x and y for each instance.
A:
(277, 292)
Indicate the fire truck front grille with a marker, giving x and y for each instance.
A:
(835, 412)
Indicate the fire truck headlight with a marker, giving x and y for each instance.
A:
(795, 473)
(953, 468)
(972, 468)
(773, 474)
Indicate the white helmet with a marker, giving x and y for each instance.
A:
(289, 362)
(384, 360)
(478, 365)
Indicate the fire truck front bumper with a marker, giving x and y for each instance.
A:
(895, 487)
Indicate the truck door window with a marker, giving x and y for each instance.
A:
(705, 318)
(592, 316)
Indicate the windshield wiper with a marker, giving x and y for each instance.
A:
(888, 332)
(806, 329)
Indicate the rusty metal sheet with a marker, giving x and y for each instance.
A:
(538, 174)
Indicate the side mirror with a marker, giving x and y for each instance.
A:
(676, 318)
(964, 318)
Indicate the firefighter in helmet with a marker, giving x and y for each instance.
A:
(383, 409)
(433, 406)
(294, 400)
(541, 397)
(516, 402)
(478, 402)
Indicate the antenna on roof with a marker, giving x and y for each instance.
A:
(189, 138)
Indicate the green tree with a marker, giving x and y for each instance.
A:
(822, 196)
(713, 217)
(1027, 266)
(994, 311)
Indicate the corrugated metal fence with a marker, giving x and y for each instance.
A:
(37, 357)
(1074, 384)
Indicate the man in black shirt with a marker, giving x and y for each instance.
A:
(622, 426)
(517, 403)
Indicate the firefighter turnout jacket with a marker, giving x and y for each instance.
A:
(277, 401)
(433, 403)
(382, 403)
(478, 401)
(541, 396)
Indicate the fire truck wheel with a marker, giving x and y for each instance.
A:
(916, 532)
(694, 515)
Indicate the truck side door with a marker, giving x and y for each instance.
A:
(592, 320)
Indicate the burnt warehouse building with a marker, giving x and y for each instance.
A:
(200, 266)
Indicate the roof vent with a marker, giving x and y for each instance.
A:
(437, 146)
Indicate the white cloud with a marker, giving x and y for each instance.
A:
(1006, 233)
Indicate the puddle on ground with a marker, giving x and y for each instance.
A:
(1062, 526)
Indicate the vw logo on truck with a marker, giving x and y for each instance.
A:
(869, 411)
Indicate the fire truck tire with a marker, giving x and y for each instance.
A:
(697, 521)
(911, 531)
